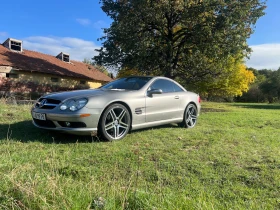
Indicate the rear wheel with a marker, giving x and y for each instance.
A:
(190, 116)
(115, 122)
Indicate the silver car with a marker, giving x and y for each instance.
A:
(114, 109)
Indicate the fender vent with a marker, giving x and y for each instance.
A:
(138, 111)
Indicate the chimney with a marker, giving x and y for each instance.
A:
(13, 44)
(64, 57)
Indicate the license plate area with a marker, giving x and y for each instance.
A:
(38, 116)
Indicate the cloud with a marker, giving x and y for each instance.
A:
(77, 48)
(265, 56)
(83, 21)
(3, 34)
(100, 24)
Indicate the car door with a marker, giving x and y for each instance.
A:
(162, 106)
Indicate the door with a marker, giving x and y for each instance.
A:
(162, 106)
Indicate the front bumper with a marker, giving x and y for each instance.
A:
(82, 122)
(75, 131)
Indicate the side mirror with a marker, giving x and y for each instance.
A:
(154, 91)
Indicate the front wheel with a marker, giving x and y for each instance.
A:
(115, 122)
(190, 116)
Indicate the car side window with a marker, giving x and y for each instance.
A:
(177, 88)
(166, 86)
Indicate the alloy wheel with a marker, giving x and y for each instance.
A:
(115, 122)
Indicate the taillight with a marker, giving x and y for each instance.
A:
(199, 100)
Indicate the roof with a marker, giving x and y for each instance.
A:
(38, 62)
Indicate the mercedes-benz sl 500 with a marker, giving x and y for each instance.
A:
(118, 107)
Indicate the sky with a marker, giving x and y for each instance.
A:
(74, 27)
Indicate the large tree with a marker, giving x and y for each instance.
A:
(177, 38)
(235, 80)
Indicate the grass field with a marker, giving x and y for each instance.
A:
(230, 160)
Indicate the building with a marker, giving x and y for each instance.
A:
(29, 71)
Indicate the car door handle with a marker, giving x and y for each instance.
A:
(176, 97)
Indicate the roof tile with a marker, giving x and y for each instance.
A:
(38, 62)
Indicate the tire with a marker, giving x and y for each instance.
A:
(190, 116)
(115, 122)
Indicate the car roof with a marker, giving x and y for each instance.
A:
(145, 77)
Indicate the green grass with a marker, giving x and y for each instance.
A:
(230, 160)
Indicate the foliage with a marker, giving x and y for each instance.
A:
(179, 38)
(233, 82)
(271, 86)
(102, 69)
(125, 72)
(265, 88)
(229, 161)
(98, 67)
(87, 61)
(254, 94)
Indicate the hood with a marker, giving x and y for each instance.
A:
(82, 94)
(74, 94)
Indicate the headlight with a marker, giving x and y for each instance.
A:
(74, 105)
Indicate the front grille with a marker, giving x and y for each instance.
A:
(53, 101)
(47, 103)
(44, 123)
(47, 107)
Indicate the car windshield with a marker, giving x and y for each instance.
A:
(128, 83)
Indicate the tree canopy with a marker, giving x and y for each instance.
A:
(271, 86)
(266, 87)
(187, 39)
(235, 80)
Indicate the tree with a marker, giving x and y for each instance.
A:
(98, 67)
(177, 38)
(235, 80)
(102, 69)
(271, 86)
(265, 88)
(88, 61)
(127, 72)
(254, 94)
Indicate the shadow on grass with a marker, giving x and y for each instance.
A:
(25, 131)
(173, 125)
(258, 106)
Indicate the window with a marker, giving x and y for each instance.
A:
(15, 45)
(10, 75)
(166, 86)
(128, 83)
(82, 82)
(54, 79)
(177, 88)
(66, 58)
